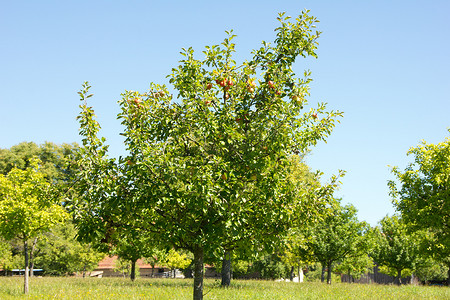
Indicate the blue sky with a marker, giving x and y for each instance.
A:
(384, 63)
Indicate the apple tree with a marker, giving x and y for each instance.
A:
(210, 169)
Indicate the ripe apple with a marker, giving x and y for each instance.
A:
(209, 86)
(207, 102)
(227, 95)
(224, 176)
(230, 83)
(137, 100)
(130, 163)
(314, 115)
(271, 84)
(250, 89)
(278, 93)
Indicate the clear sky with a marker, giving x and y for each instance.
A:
(386, 64)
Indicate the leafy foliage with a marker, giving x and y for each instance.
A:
(396, 249)
(59, 253)
(423, 197)
(337, 237)
(208, 172)
(27, 207)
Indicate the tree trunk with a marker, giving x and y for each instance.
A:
(448, 276)
(26, 275)
(300, 275)
(198, 273)
(322, 277)
(133, 270)
(349, 276)
(32, 257)
(226, 269)
(291, 274)
(398, 279)
(329, 273)
(153, 268)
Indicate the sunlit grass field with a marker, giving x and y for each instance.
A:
(120, 288)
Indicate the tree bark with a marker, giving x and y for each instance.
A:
(398, 279)
(329, 273)
(322, 277)
(26, 275)
(32, 257)
(198, 273)
(291, 274)
(226, 269)
(133, 270)
(300, 274)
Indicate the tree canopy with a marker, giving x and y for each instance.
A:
(422, 195)
(210, 170)
(27, 206)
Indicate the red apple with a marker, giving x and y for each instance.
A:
(271, 84)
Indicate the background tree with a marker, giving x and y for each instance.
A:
(6, 257)
(54, 159)
(210, 170)
(176, 260)
(27, 207)
(157, 258)
(338, 236)
(125, 266)
(395, 249)
(59, 252)
(355, 266)
(54, 164)
(423, 196)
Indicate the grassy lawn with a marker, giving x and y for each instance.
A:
(118, 288)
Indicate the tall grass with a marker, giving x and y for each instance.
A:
(120, 288)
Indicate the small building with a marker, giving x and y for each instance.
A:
(106, 267)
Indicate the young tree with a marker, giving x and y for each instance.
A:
(395, 248)
(176, 260)
(338, 236)
(423, 197)
(27, 207)
(210, 170)
(355, 266)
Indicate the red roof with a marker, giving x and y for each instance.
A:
(109, 261)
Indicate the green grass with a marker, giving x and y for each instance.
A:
(119, 288)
